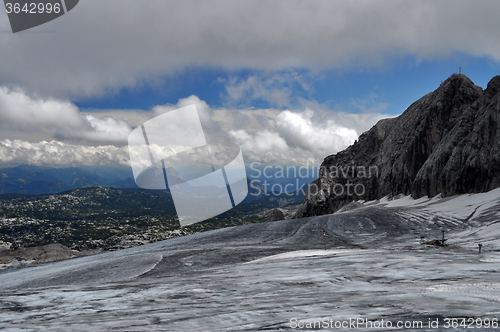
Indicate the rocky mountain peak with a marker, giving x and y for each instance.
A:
(493, 87)
(446, 142)
(458, 80)
(454, 92)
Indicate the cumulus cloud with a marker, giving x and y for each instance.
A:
(360, 115)
(260, 142)
(106, 129)
(266, 135)
(57, 119)
(55, 153)
(202, 107)
(252, 120)
(268, 147)
(325, 138)
(301, 137)
(101, 46)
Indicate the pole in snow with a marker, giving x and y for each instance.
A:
(480, 246)
(324, 237)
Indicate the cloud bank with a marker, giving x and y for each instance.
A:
(57, 119)
(71, 137)
(102, 46)
(296, 138)
(56, 153)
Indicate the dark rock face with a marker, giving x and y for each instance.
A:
(276, 215)
(447, 142)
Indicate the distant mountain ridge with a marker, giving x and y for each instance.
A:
(447, 142)
(37, 180)
(28, 179)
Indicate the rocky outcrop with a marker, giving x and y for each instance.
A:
(447, 142)
(42, 254)
(276, 214)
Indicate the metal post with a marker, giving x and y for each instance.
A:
(480, 246)
(324, 237)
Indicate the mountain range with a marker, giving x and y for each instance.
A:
(447, 142)
(29, 179)
(36, 180)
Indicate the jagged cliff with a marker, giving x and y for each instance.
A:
(447, 142)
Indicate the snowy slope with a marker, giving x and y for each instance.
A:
(480, 212)
(263, 276)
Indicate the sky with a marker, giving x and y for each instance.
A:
(290, 82)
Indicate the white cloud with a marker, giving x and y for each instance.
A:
(284, 137)
(265, 135)
(134, 117)
(106, 129)
(252, 120)
(260, 142)
(101, 46)
(360, 122)
(268, 147)
(202, 107)
(56, 119)
(296, 138)
(321, 139)
(56, 153)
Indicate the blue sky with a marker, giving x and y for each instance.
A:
(396, 85)
(289, 81)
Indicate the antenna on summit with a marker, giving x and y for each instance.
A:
(460, 70)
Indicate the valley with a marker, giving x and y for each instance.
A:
(94, 219)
